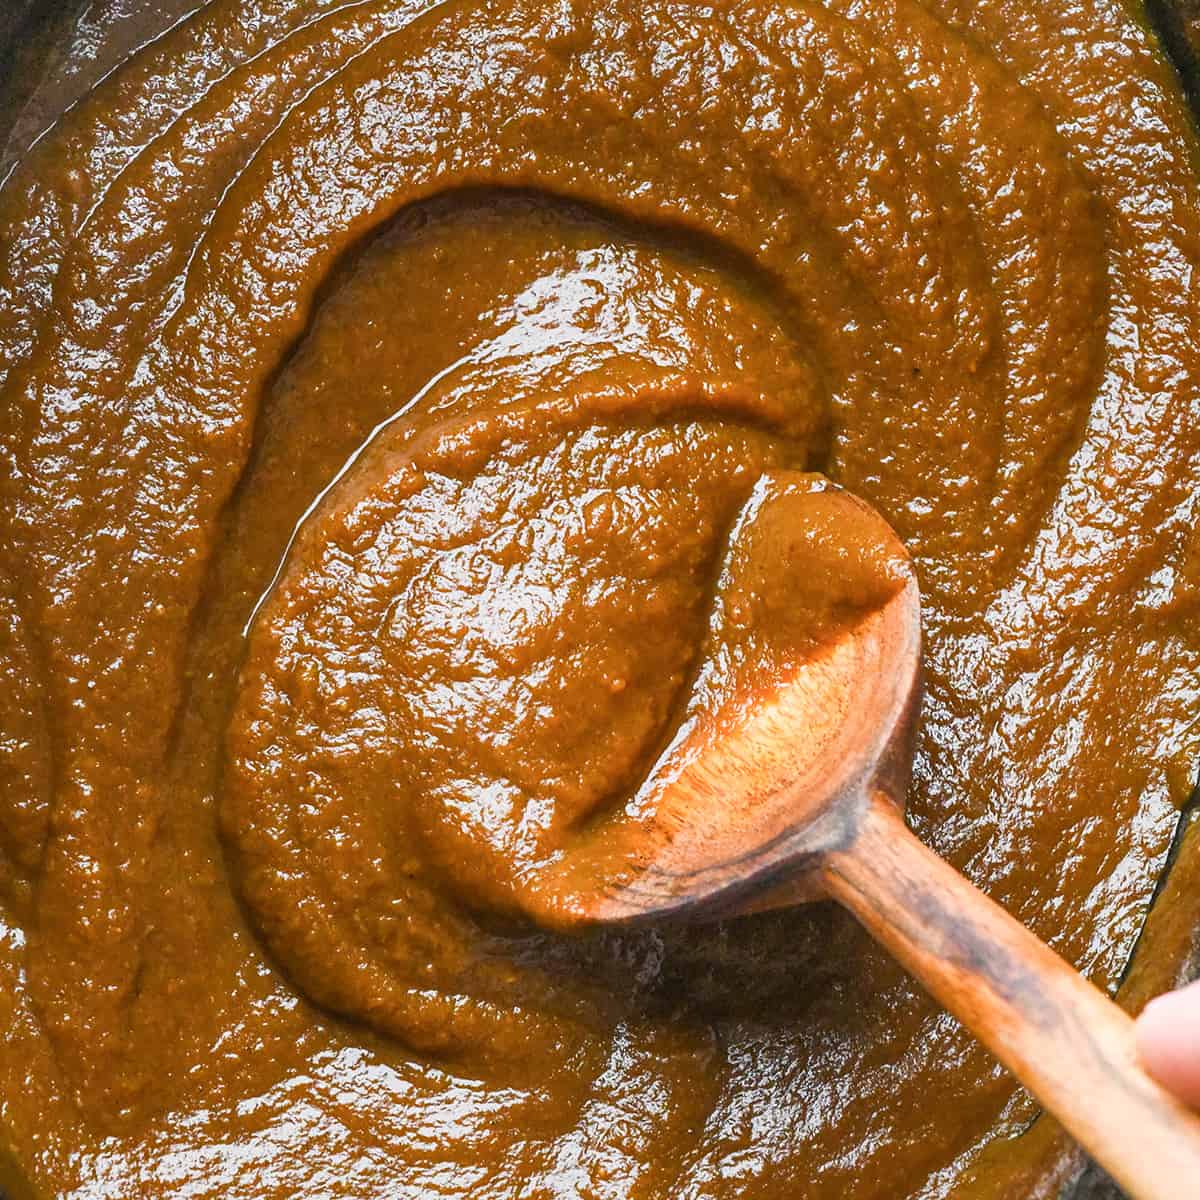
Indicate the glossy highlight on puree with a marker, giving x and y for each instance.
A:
(383, 388)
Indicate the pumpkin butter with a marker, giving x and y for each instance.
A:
(381, 383)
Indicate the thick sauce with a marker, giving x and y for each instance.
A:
(381, 384)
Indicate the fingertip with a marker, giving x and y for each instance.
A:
(1168, 1041)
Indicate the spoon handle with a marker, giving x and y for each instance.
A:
(1070, 1045)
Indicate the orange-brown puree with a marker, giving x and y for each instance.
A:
(437, 348)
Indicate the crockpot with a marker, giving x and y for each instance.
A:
(1041, 1162)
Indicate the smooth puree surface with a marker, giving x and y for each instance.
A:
(380, 385)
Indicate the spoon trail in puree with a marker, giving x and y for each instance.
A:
(791, 789)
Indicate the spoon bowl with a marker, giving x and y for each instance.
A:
(751, 801)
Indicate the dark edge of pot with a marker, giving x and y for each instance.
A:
(20, 22)
(1177, 23)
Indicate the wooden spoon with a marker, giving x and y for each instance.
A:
(791, 790)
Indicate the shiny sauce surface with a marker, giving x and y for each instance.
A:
(380, 384)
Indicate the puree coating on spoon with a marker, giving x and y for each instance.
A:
(383, 390)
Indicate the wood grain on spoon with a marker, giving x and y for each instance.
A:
(784, 784)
